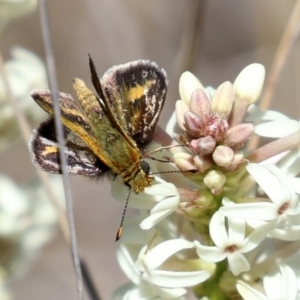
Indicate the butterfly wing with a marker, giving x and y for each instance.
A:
(136, 93)
(92, 125)
(44, 150)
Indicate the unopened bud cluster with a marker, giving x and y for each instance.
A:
(213, 129)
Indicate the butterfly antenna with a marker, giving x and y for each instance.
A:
(177, 171)
(160, 149)
(120, 230)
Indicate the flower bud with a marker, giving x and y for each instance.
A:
(187, 84)
(184, 161)
(200, 104)
(181, 108)
(248, 85)
(238, 135)
(203, 146)
(223, 156)
(214, 180)
(202, 163)
(223, 100)
(206, 145)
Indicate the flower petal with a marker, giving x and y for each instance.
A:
(296, 184)
(164, 250)
(255, 211)
(286, 234)
(127, 264)
(218, 231)
(277, 129)
(165, 293)
(169, 203)
(155, 218)
(290, 163)
(238, 263)
(281, 285)
(268, 182)
(162, 189)
(249, 293)
(236, 231)
(289, 282)
(120, 192)
(256, 115)
(257, 236)
(287, 186)
(176, 279)
(211, 254)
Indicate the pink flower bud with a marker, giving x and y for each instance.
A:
(200, 105)
(238, 135)
(223, 156)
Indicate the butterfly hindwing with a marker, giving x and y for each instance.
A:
(45, 152)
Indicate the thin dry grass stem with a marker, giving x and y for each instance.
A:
(25, 133)
(287, 41)
(60, 134)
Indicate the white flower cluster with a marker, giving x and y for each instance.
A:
(241, 240)
(27, 219)
(27, 222)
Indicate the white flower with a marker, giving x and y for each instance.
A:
(150, 277)
(231, 241)
(278, 285)
(149, 262)
(282, 209)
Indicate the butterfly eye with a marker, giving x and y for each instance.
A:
(145, 167)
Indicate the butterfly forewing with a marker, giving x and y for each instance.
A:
(136, 93)
(113, 148)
